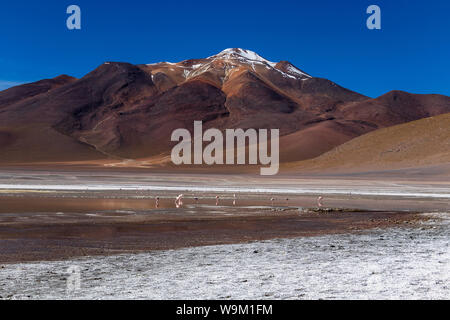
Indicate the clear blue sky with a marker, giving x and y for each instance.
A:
(326, 38)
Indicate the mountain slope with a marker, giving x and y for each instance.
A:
(418, 143)
(396, 107)
(125, 111)
(22, 92)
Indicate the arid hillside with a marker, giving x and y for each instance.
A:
(417, 144)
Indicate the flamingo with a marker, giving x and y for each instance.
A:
(319, 201)
(272, 200)
(234, 199)
(217, 200)
(179, 200)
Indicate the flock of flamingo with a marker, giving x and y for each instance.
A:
(179, 201)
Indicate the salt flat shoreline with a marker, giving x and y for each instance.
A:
(391, 263)
(51, 215)
(43, 229)
(126, 180)
(189, 188)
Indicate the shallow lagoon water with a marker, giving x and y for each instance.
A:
(395, 263)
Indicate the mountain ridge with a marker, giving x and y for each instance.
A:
(125, 111)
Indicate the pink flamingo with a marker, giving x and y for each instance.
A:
(217, 200)
(319, 201)
(234, 199)
(179, 201)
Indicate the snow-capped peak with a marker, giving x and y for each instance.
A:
(232, 58)
(251, 58)
(241, 54)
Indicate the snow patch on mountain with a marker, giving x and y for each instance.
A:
(242, 56)
(251, 58)
(234, 57)
(294, 71)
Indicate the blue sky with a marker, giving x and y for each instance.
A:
(325, 38)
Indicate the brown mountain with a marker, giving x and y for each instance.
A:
(417, 144)
(22, 92)
(126, 111)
